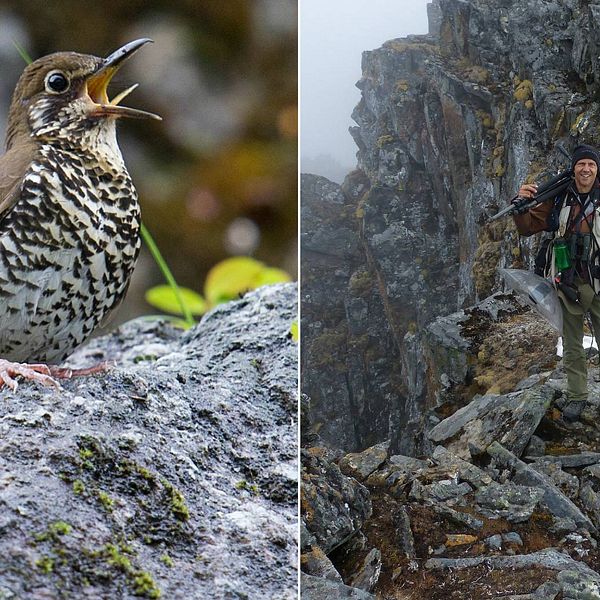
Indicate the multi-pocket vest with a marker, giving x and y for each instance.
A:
(583, 247)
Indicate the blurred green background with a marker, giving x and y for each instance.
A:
(218, 176)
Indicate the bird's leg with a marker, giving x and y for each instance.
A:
(67, 373)
(44, 374)
(40, 373)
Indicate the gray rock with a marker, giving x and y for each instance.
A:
(464, 470)
(563, 525)
(553, 499)
(592, 474)
(512, 538)
(446, 490)
(353, 400)
(408, 463)
(335, 506)
(494, 542)
(361, 465)
(404, 533)
(545, 559)
(357, 544)
(458, 517)
(509, 420)
(547, 591)
(396, 472)
(535, 447)
(417, 490)
(315, 588)
(306, 538)
(316, 562)
(528, 382)
(572, 461)
(591, 503)
(567, 483)
(366, 575)
(176, 470)
(515, 503)
(577, 585)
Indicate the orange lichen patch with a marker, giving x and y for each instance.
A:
(558, 449)
(459, 539)
(317, 451)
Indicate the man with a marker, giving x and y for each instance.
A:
(574, 217)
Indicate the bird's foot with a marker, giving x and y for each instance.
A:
(40, 373)
(67, 373)
(44, 374)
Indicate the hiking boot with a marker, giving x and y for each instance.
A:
(572, 411)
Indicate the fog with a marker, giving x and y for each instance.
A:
(333, 35)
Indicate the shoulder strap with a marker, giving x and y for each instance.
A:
(553, 216)
(593, 198)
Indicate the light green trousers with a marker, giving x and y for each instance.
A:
(574, 359)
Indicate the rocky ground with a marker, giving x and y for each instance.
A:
(505, 503)
(172, 475)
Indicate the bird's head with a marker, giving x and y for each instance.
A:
(63, 97)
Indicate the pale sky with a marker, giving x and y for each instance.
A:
(333, 34)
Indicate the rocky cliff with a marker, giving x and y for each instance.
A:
(432, 396)
(448, 126)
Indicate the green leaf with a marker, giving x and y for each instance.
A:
(230, 278)
(164, 298)
(234, 276)
(294, 331)
(271, 275)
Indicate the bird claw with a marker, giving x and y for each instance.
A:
(37, 372)
(67, 373)
(44, 374)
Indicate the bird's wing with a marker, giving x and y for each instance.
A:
(13, 166)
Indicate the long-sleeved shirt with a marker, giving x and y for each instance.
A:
(536, 218)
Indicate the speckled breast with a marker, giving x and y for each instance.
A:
(67, 251)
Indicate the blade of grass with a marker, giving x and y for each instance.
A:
(166, 272)
(22, 52)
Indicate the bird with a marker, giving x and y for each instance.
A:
(69, 212)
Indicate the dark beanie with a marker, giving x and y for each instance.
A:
(584, 151)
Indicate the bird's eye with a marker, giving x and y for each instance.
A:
(56, 82)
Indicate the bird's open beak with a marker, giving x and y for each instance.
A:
(97, 85)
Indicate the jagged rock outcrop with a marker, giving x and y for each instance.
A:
(334, 506)
(174, 473)
(509, 420)
(315, 588)
(346, 344)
